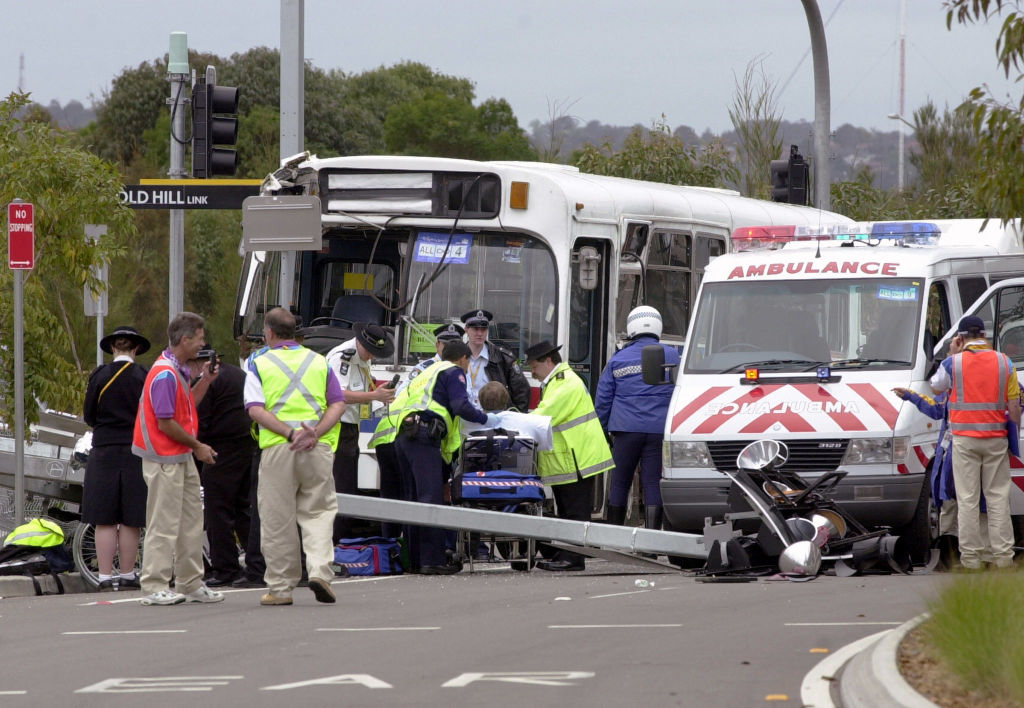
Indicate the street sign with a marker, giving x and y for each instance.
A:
(21, 236)
(189, 193)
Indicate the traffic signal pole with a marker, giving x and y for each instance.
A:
(292, 109)
(822, 106)
(178, 75)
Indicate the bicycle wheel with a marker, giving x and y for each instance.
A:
(83, 550)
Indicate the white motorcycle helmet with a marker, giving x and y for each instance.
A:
(643, 320)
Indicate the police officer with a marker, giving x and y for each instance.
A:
(580, 451)
(350, 362)
(492, 362)
(634, 413)
(428, 437)
(442, 335)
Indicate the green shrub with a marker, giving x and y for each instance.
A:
(977, 626)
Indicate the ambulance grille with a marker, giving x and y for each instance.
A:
(821, 455)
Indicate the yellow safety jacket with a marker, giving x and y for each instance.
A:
(580, 448)
(295, 388)
(421, 398)
(41, 533)
(387, 427)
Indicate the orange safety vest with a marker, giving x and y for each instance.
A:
(977, 399)
(151, 443)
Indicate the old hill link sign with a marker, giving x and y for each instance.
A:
(189, 193)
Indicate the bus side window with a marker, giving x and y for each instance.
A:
(669, 274)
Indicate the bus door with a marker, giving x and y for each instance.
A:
(588, 310)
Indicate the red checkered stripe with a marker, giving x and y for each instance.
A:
(500, 483)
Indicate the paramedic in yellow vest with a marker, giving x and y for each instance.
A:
(350, 361)
(580, 450)
(296, 401)
(429, 434)
(165, 438)
(983, 390)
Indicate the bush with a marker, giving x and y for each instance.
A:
(978, 628)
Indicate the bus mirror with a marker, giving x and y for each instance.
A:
(589, 260)
(652, 365)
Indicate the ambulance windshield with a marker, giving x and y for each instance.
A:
(791, 325)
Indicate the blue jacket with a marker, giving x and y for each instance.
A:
(624, 403)
(942, 467)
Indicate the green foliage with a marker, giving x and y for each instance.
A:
(656, 155)
(69, 188)
(756, 123)
(978, 629)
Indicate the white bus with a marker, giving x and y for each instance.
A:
(552, 252)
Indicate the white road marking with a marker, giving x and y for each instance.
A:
(536, 678)
(620, 594)
(13, 693)
(158, 684)
(343, 680)
(376, 629)
(133, 631)
(610, 626)
(842, 624)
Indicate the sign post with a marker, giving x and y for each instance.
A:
(21, 256)
(96, 305)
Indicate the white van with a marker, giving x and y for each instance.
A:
(801, 337)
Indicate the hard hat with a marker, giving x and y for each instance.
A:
(643, 320)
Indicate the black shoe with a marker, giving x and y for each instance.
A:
(561, 565)
(107, 585)
(246, 582)
(449, 569)
(216, 581)
(131, 583)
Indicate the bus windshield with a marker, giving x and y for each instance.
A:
(798, 324)
(512, 276)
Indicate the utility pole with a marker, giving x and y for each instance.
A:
(822, 106)
(293, 119)
(179, 76)
(903, 74)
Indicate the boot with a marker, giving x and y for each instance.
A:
(616, 515)
(652, 516)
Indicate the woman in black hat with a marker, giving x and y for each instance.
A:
(114, 495)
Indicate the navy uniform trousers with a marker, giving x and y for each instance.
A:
(422, 469)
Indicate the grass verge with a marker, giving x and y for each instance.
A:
(977, 626)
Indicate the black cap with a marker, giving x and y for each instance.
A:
(971, 322)
(448, 331)
(477, 318)
(141, 343)
(374, 339)
(541, 350)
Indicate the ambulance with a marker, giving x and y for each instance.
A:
(800, 335)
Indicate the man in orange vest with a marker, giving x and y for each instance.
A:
(983, 390)
(165, 438)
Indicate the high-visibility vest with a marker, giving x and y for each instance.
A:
(295, 390)
(421, 398)
(580, 449)
(151, 443)
(41, 533)
(387, 426)
(977, 399)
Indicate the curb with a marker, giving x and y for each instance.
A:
(864, 674)
(21, 585)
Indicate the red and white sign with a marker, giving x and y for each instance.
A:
(21, 236)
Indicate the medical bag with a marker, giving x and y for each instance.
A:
(497, 466)
(374, 555)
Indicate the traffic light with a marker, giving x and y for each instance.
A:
(780, 180)
(214, 128)
(789, 178)
(799, 176)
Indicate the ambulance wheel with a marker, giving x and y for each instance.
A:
(923, 528)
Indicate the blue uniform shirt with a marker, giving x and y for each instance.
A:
(624, 403)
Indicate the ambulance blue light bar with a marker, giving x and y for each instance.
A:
(916, 233)
(909, 233)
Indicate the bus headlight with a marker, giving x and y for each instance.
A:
(872, 451)
(685, 453)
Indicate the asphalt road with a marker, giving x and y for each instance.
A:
(495, 637)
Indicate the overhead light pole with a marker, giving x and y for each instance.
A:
(899, 172)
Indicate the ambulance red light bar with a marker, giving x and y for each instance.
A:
(759, 238)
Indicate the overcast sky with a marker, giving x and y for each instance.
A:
(620, 62)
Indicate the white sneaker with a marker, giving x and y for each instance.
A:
(164, 597)
(204, 594)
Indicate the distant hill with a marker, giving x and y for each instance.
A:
(852, 147)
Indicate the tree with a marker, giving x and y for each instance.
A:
(69, 188)
(754, 118)
(999, 154)
(656, 155)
